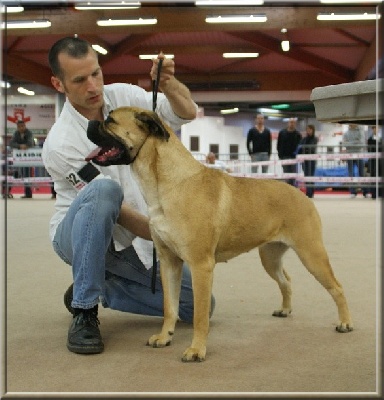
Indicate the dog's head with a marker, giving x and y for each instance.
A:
(122, 134)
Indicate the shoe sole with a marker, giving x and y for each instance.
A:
(85, 349)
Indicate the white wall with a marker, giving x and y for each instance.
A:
(212, 130)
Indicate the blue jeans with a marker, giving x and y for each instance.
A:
(360, 173)
(83, 240)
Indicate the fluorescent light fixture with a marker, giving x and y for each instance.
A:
(360, 2)
(229, 3)
(240, 55)
(223, 19)
(285, 45)
(229, 111)
(5, 85)
(122, 22)
(99, 49)
(25, 91)
(152, 56)
(346, 17)
(118, 5)
(11, 9)
(39, 23)
(268, 111)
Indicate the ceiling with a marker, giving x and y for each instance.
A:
(321, 53)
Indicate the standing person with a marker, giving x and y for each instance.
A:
(308, 145)
(23, 139)
(375, 145)
(101, 226)
(259, 143)
(287, 142)
(354, 142)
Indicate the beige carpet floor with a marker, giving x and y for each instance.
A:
(250, 353)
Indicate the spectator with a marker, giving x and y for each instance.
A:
(308, 146)
(259, 143)
(375, 145)
(212, 162)
(354, 142)
(101, 227)
(287, 142)
(23, 139)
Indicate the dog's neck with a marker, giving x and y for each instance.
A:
(159, 160)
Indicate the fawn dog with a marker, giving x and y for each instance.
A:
(203, 216)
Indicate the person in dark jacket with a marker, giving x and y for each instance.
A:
(375, 144)
(287, 142)
(259, 143)
(308, 146)
(23, 139)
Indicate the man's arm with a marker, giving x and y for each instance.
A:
(177, 93)
(135, 222)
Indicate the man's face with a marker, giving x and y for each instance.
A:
(260, 120)
(82, 82)
(291, 124)
(21, 127)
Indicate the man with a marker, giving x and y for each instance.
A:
(212, 162)
(101, 226)
(22, 139)
(287, 142)
(354, 142)
(259, 143)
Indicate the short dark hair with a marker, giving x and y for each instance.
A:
(20, 121)
(73, 46)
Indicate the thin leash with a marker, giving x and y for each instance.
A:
(155, 89)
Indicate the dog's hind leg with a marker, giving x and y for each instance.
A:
(271, 257)
(171, 270)
(315, 259)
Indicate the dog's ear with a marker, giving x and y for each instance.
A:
(155, 127)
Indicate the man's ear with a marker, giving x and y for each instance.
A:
(56, 83)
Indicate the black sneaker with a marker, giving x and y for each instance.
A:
(84, 335)
(68, 296)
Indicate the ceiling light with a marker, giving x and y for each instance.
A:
(222, 19)
(268, 111)
(229, 3)
(347, 17)
(5, 85)
(39, 23)
(240, 55)
(107, 6)
(122, 22)
(285, 45)
(99, 49)
(229, 111)
(11, 9)
(25, 91)
(152, 56)
(361, 2)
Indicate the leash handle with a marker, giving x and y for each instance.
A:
(155, 85)
(155, 89)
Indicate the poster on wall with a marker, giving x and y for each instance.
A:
(38, 118)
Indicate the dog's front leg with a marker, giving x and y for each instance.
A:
(171, 270)
(202, 278)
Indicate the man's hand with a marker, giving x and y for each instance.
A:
(177, 94)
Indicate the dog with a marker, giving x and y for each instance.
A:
(204, 216)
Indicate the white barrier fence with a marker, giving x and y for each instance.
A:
(31, 159)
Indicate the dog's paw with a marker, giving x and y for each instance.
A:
(344, 328)
(159, 341)
(194, 354)
(281, 313)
